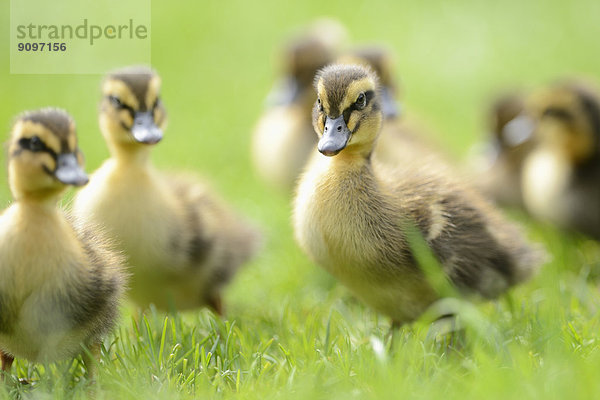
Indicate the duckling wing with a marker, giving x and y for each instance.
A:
(94, 302)
(479, 251)
(583, 202)
(213, 235)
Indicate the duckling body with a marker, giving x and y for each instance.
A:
(561, 175)
(352, 214)
(332, 226)
(61, 282)
(55, 294)
(182, 242)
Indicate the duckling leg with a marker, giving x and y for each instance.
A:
(90, 360)
(7, 361)
(394, 328)
(447, 332)
(216, 303)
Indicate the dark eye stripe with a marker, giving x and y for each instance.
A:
(369, 94)
(120, 105)
(558, 113)
(25, 144)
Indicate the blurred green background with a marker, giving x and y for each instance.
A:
(218, 60)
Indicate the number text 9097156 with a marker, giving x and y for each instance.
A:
(42, 46)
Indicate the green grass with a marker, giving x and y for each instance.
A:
(291, 331)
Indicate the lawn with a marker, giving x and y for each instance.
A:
(291, 331)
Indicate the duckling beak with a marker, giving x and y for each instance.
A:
(144, 130)
(284, 92)
(335, 137)
(68, 170)
(518, 130)
(388, 104)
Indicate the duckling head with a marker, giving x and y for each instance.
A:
(316, 46)
(43, 154)
(132, 115)
(347, 114)
(304, 56)
(568, 122)
(381, 61)
(509, 124)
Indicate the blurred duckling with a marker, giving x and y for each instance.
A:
(499, 162)
(381, 61)
(353, 215)
(561, 177)
(400, 134)
(283, 138)
(183, 242)
(61, 282)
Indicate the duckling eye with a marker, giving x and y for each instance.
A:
(33, 143)
(320, 105)
(558, 113)
(36, 144)
(116, 102)
(361, 101)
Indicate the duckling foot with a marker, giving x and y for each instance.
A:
(7, 361)
(392, 333)
(216, 303)
(91, 359)
(447, 332)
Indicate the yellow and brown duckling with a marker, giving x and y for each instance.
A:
(61, 282)
(499, 162)
(351, 213)
(283, 138)
(183, 242)
(561, 176)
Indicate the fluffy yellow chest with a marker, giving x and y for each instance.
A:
(347, 226)
(38, 247)
(137, 210)
(41, 262)
(545, 179)
(282, 143)
(331, 223)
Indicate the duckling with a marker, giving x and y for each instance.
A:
(561, 176)
(61, 281)
(499, 162)
(353, 215)
(183, 242)
(283, 137)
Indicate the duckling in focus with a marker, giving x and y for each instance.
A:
(283, 138)
(500, 161)
(561, 176)
(352, 214)
(61, 282)
(183, 242)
